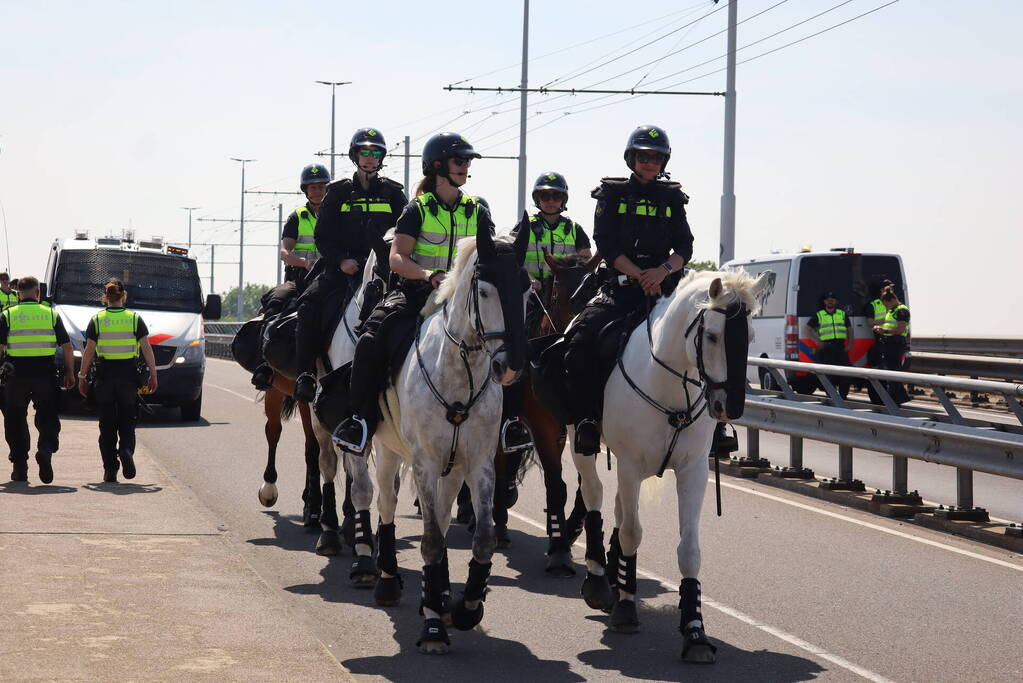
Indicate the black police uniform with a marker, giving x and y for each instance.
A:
(398, 311)
(34, 380)
(116, 391)
(345, 229)
(647, 240)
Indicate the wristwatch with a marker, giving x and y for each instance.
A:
(667, 267)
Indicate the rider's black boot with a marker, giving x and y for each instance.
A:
(352, 434)
(587, 437)
(262, 377)
(515, 436)
(724, 443)
(305, 388)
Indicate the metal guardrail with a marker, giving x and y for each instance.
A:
(980, 346)
(946, 438)
(970, 366)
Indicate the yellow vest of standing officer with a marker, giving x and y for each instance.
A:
(831, 325)
(116, 328)
(891, 324)
(31, 330)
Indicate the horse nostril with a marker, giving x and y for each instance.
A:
(497, 367)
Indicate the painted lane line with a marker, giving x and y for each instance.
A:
(250, 399)
(795, 641)
(875, 527)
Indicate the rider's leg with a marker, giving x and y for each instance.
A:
(584, 378)
(273, 304)
(307, 339)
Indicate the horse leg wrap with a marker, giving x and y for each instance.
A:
(363, 530)
(627, 574)
(329, 517)
(446, 579)
(614, 556)
(435, 576)
(476, 584)
(387, 557)
(594, 525)
(691, 624)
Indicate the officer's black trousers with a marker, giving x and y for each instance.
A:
(309, 332)
(42, 392)
(833, 353)
(117, 401)
(395, 314)
(892, 350)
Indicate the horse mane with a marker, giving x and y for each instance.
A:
(736, 283)
(466, 250)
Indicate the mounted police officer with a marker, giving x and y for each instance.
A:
(641, 230)
(550, 229)
(117, 337)
(30, 333)
(298, 252)
(356, 212)
(424, 249)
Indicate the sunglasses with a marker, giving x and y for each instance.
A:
(461, 161)
(649, 158)
(375, 153)
(550, 196)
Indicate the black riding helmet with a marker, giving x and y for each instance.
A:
(444, 146)
(551, 180)
(313, 173)
(366, 137)
(647, 138)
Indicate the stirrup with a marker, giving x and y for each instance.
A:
(585, 448)
(515, 447)
(723, 442)
(353, 447)
(304, 396)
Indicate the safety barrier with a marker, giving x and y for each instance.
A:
(978, 346)
(942, 436)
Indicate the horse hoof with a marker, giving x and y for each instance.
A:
(503, 539)
(364, 572)
(329, 543)
(433, 639)
(559, 565)
(623, 617)
(699, 654)
(597, 592)
(267, 494)
(348, 531)
(387, 592)
(465, 619)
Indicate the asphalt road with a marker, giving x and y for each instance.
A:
(794, 588)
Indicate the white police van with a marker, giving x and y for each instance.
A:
(793, 297)
(163, 285)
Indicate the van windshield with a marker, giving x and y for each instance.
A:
(854, 278)
(153, 281)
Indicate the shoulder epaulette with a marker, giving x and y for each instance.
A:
(609, 186)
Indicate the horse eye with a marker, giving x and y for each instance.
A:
(483, 293)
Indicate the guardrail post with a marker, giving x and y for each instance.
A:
(845, 463)
(964, 489)
(753, 444)
(796, 452)
(900, 474)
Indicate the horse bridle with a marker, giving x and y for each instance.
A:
(458, 412)
(682, 419)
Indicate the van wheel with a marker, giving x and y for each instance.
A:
(767, 382)
(192, 411)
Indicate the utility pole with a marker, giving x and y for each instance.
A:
(280, 236)
(408, 190)
(727, 241)
(333, 85)
(522, 108)
(241, 242)
(213, 259)
(190, 209)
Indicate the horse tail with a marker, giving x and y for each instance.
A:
(288, 407)
(528, 459)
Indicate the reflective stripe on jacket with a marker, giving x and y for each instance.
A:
(305, 245)
(441, 229)
(831, 325)
(560, 241)
(31, 330)
(115, 329)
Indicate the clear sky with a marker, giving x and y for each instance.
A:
(899, 131)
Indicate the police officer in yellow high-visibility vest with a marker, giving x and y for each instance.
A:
(117, 337)
(30, 334)
(8, 297)
(894, 332)
(832, 330)
(298, 245)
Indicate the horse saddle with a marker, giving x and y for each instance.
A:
(246, 343)
(279, 338)
(332, 404)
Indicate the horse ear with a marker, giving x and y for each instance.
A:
(522, 238)
(485, 249)
(715, 288)
(594, 261)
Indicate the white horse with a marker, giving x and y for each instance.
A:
(444, 416)
(676, 378)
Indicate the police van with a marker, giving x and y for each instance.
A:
(792, 297)
(163, 285)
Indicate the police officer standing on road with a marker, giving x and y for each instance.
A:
(356, 212)
(832, 329)
(641, 230)
(298, 252)
(30, 334)
(116, 336)
(8, 297)
(894, 333)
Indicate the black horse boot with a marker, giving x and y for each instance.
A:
(696, 647)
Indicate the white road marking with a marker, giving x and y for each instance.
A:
(745, 618)
(250, 399)
(875, 527)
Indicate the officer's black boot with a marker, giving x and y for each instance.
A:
(587, 437)
(45, 467)
(515, 436)
(262, 377)
(20, 470)
(305, 387)
(352, 434)
(724, 443)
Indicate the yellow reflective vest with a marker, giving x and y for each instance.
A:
(831, 325)
(560, 241)
(115, 329)
(305, 245)
(891, 324)
(8, 299)
(31, 330)
(441, 229)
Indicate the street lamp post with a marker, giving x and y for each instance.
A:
(241, 242)
(333, 85)
(190, 209)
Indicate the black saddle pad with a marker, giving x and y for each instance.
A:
(550, 380)
(332, 402)
(245, 345)
(399, 342)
